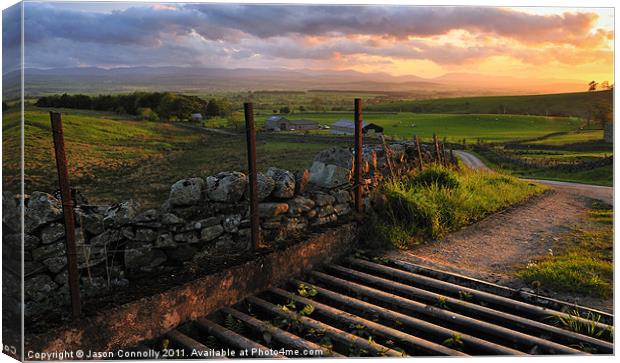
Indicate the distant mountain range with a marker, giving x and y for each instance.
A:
(196, 80)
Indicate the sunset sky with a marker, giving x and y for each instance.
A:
(559, 43)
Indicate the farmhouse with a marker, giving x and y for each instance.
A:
(280, 123)
(347, 127)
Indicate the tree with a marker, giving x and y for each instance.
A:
(213, 108)
(302, 108)
(592, 86)
(285, 110)
(605, 85)
(146, 113)
(601, 113)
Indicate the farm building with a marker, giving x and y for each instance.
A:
(347, 127)
(196, 117)
(280, 123)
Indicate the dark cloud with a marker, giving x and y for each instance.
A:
(399, 21)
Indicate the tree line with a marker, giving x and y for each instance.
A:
(151, 106)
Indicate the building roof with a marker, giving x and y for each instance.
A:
(347, 123)
(276, 118)
(303, 122)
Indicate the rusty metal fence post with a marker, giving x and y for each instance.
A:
(358, 155)
(67, 210)
(250, 133)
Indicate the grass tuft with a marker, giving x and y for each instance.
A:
(440, 200)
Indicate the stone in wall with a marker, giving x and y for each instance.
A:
(300, 205)
(142, 257)
(120, 214)
(210, 233)
(42, 208)
(270, 210)
(284, 183)
(266, 184)
(186, 192)
(322, 199)
(301, 181)
(342, 196)
(226, 186)
(231, 223)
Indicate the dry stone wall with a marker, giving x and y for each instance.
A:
(202, 218)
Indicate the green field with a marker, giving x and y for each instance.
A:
(570, 138)
(493, 128)
(562, 104)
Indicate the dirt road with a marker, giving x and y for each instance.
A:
(494, 248)
(604, 194)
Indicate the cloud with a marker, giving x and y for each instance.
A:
(270, 35)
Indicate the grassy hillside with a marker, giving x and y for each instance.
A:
(562, 104)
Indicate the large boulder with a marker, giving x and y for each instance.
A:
(284, 182)
(338, 156)
(332, 167)
(328, 176)
(226, 186)
(42, 209)
(186, 192)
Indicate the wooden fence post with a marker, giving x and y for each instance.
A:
(67, 210)
(437, 151)
(418, 146)
(250, 133)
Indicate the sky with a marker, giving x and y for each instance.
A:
(553, 43)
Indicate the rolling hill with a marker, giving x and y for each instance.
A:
(93, 80)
